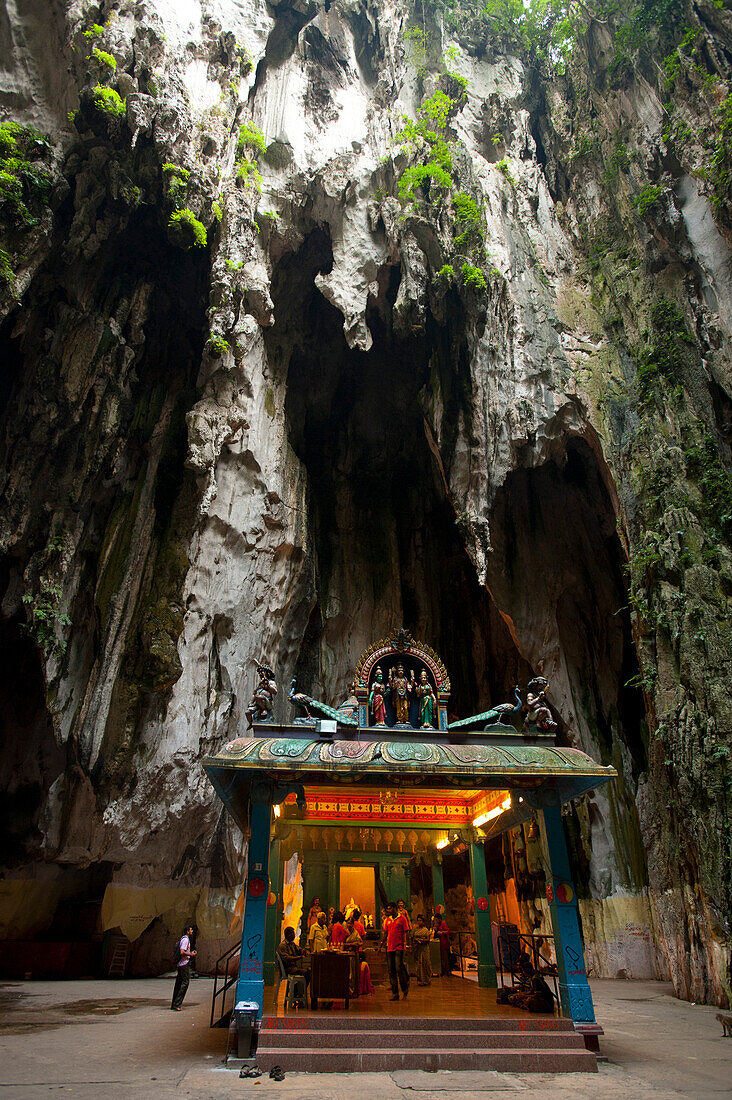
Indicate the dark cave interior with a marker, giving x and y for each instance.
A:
(384, 528)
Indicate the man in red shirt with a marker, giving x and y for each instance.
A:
(396, 932)
(358, 923)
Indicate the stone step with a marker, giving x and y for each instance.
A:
(318, 1060)
(446, 1040)
(351, 1021)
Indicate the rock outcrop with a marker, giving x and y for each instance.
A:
(320, 320)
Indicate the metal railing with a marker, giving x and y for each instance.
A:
(514, 945)
(222, 973)
(467, 951)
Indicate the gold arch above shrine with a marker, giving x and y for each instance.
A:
(400, 648)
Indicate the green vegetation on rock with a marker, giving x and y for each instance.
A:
(666, 353)
(175, 184)
(473, 277)
(186, 230)
(46, 619)
(108, 102)
(25, 182)
(647, 198)
(104, 58)
(251, 145)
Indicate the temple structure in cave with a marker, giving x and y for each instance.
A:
(375, 801)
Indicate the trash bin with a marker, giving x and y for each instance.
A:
(245, 1015)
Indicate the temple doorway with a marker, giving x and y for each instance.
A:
(357, 888)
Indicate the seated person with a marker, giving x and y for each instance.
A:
(293, 957)
(318, 935)
(533, 993)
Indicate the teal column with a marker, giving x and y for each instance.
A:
(438, 884)
(483, 935)
(273, 919)
(574, 989)
(333, 884)
(250, 986)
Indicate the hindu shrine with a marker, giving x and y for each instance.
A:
(369, 801)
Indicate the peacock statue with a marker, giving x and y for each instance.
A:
(321, 710)
(505, 714)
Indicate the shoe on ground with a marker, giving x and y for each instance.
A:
(395, 997)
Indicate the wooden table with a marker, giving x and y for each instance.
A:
(330, 977)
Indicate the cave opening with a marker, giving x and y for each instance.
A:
(387, 549)
(151, 299)
(559, 566)
(31, 759)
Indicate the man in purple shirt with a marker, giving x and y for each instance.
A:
(183, 970)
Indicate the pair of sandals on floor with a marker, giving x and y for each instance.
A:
(276, 1073)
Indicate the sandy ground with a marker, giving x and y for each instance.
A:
(119, 1039)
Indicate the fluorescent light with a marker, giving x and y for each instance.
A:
(483, 819)
(277, 811)
(442, 843)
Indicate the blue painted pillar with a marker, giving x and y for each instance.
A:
(574, 989)
(250, 986)
(483, 935)
(274, 914)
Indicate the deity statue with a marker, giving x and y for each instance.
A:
(401, 689)
(537, 710)
(376, 699)
(262, 701)
(427, 701)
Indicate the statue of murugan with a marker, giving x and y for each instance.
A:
(401, 689)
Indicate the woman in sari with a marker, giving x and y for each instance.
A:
(421, 938)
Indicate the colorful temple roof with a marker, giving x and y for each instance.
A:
(532, 770)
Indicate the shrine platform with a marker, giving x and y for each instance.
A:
(450, 1025)
(446, 998)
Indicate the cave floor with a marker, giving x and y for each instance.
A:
(119, 1039)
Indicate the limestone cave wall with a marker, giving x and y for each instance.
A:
(317, 321)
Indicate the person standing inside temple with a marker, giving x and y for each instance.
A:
(338, 933)
(402, 911)
(183, 969)
(318, 935)
(358, 923)
(421, 937)
(442, 933)
(313, 912)
(396, 934)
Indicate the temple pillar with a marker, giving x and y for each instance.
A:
(438, 884)
(273, 919)
(483, 934)
(250, 986)
(574, 989)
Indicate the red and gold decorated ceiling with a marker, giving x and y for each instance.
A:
(423, 807)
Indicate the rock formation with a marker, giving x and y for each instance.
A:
(322, 320)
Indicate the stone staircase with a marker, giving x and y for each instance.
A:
(343, 1044)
